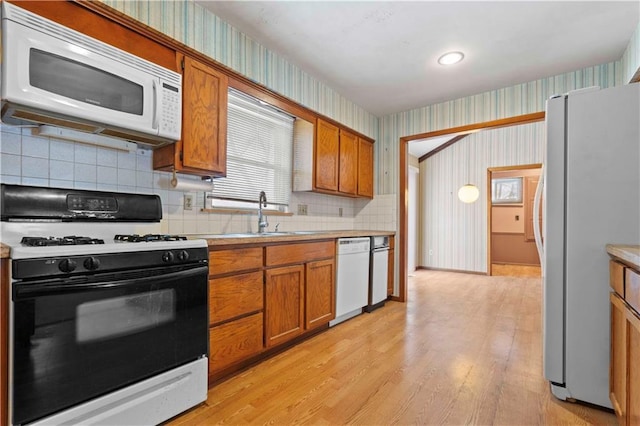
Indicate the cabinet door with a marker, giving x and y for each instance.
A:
(326, 156)
(204, 118)
(391, 272)
(365, 168)
(618, 363)
(348, 176)
(283, 304)
(633, 368)
(320, 293)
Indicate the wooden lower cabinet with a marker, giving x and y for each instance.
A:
(283, 304)
(234, 341)
(633, 368)
(624, 368)
(320, 293)
(4, 341)
(618, 365)
(234, 296)
(391, 271)
(261, 297)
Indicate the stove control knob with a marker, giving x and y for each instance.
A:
(92, 263)
(167, 257)
(183, 256)
(67, 265)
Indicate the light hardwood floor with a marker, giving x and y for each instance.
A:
(466, 349)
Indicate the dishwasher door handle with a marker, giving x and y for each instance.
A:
(380, 249)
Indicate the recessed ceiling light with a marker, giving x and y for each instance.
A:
(450, 58)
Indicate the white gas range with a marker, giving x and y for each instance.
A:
(108, 318)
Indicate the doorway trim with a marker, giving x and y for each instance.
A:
(404, 177)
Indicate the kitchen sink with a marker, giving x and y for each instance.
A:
(264, 234)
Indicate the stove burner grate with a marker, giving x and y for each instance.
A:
(135, 238)
(71, 240)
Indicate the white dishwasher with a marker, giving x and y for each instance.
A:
(379, 272)
(352, 283)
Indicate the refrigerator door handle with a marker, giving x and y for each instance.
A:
(536, 217)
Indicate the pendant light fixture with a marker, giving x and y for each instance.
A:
(468, 193)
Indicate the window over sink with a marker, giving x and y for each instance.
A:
(259, 155)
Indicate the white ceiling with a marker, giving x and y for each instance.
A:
(382, 54)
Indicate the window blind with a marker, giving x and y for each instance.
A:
(259, 152)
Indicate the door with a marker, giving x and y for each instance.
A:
(320, 293)
(348, 178)
(326, 156)
(365, 168)
(284, 304)
(74, 342)
(204, 124)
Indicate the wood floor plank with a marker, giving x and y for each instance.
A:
(465, 349)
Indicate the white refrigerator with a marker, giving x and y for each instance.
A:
(590, 194)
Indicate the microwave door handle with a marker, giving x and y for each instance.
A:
(154, 123)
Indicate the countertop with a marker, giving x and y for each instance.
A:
(628, 254)
(270, 237)
(239, 238)
(5, 251)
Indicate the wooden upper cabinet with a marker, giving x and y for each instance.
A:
(348, 157)
(365, 168)
(326, 156)
(204, 122)
(203, 147)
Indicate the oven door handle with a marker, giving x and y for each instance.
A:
(33, 290)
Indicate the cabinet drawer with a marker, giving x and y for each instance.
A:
(632, 289)
(234, 341)
(299, 253)
(616, 277)
(232, 296)
(236, 260)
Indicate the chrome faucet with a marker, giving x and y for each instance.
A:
(262, 219)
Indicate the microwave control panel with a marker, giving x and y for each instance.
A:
(171, 111)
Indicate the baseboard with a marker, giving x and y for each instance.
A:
(459, 271)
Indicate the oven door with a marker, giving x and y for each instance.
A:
(76, 339)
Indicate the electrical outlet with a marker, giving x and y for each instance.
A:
(188, 201)
(302, 209)
(340, 211)
(430, 252)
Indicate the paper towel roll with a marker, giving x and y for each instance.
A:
(185, 184)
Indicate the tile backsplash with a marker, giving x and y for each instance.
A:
(44, 161)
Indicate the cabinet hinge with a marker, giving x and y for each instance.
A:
(182, 64)
(181, 159)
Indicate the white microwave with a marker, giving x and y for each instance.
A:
(57, 76)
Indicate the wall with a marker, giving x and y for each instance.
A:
(41, 161)
(200, 29)
(631, 58)
(455, 233)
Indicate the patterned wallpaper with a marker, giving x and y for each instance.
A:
(457, 232)
(200, 29)
(631, 57)
(511, 101)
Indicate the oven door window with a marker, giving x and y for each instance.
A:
(74, 342)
